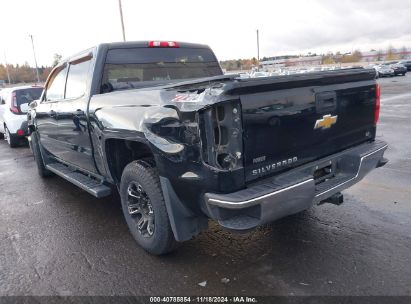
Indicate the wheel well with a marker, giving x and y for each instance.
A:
(121, 152)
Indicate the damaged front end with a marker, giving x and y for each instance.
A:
(198, 143)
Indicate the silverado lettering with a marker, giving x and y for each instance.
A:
(273, 166)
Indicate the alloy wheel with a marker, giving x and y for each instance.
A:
(140, 209)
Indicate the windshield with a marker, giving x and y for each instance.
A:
(139, 67)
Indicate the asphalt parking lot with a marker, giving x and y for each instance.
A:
(58, 240)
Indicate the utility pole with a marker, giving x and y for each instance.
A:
(7, 68)
(258, 51)
(122, 21)
(258, 47)
(35, 60)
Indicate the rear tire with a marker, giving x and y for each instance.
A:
(144, 208)
(35, 147)
(12, 140)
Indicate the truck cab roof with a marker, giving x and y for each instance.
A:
(133, 44)
(129, 44)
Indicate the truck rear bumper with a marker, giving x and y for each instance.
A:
(294, 190)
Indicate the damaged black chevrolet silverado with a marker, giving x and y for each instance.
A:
(182, 143)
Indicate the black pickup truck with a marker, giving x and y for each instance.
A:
(182, 143)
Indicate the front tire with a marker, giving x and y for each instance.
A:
(144, 208)
(35, 147)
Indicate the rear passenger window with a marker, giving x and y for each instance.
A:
(77, 79)
(55, 87)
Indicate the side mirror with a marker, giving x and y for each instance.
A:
(33, 104)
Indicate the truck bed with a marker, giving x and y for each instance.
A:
(297, 119)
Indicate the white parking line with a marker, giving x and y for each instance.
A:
(396, 97)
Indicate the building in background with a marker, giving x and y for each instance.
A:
(279, 62)
(389, 54)
(290, 61)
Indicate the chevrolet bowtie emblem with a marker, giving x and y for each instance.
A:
(326, 122)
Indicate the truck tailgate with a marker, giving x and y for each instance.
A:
(292, 120)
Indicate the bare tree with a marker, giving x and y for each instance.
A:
(56, 59)
(403, 53)
(380, 55)
(328, 59)
(391, 54)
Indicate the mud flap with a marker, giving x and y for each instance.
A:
(183, 222)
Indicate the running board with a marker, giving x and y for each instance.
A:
(92, 186)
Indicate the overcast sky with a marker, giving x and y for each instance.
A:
(229, 27)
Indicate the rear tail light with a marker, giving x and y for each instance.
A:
(20, 132)
(13, 105)
(170, 44)
(377, 103)
(221, 135)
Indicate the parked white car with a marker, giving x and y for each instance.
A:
(244, 75)
(14, 103)
(259, 74)
(275, 73)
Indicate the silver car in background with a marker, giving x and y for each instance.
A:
(259, 74)
(384, 71)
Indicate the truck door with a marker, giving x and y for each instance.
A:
(46, 111)
(73, 128)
